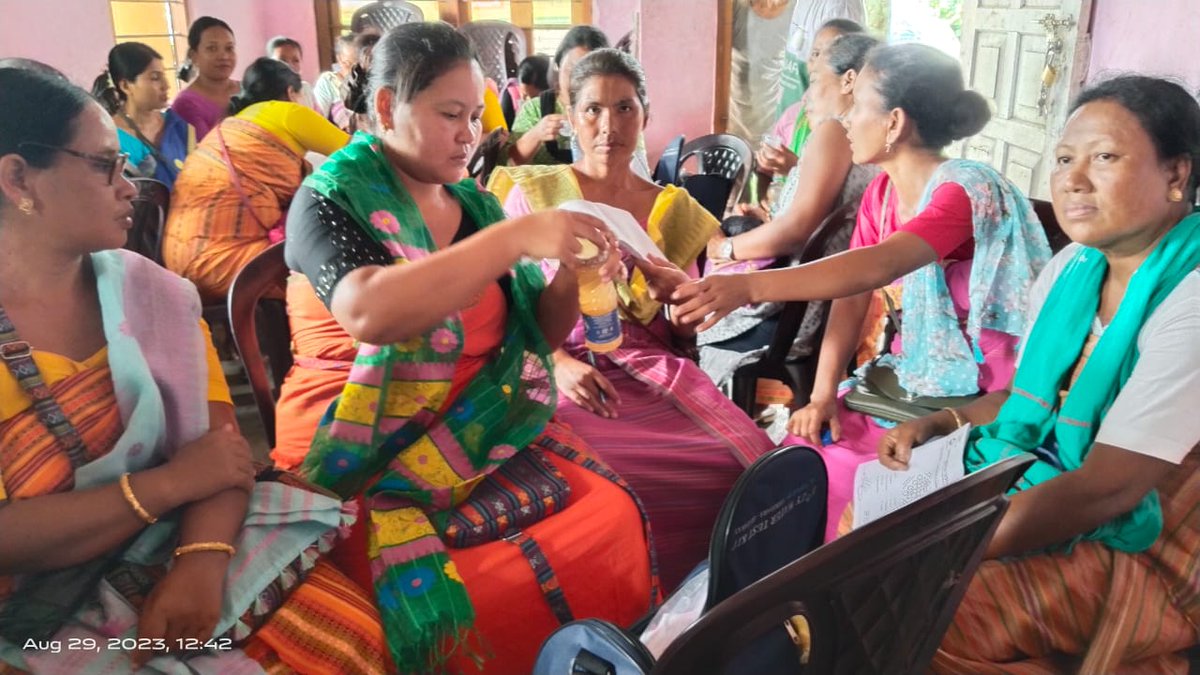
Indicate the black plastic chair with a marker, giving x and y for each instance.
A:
(723, 155)
(1054, 233)
(797, 375)
(878, 600)
(487, 155)
(385, 15)
(500, 46)
(260, 328)
(150, 208)
(666, 172)
(773, 515)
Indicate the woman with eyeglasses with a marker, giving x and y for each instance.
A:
(133, 526)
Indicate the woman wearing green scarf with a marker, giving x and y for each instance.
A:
(451, 386)
(1093, 566)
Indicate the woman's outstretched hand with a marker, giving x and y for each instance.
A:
(706, 301)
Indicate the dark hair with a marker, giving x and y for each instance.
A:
(1167, 112)
(625, 44)
(609, 62)
(928, 86)
(364, 43)
(195, 33)
(282, 41)
(580, 36)
(22, 63)
(849, 52)
(411, 56)
(843, 26)
(346, 40)
(38, 108)
(265, 80)
(126, 62)
(356, 90)
(535, 70)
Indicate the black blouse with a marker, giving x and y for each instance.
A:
(325, 243)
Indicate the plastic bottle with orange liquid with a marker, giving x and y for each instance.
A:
(597, 302)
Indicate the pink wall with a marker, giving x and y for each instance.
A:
(254, 22)
(614, 17)
(71, 35)
(1127, 35)
(679, 52)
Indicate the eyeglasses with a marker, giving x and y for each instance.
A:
(112, 165)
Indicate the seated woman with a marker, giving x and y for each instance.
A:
(134, 91)
(830, 180)
(925, 221)
(128, 500)
(211, 58)
(232, 197)
(541, 136)
(792, 129)
(1106, 397)
(646, 408)
(451, 382)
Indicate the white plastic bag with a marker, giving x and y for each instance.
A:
(677, 614)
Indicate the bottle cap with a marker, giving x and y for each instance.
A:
(589, 251)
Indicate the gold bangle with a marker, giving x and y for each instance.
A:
(958, 420)
(141, 512)
(205, 546)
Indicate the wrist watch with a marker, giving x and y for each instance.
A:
(726, 249)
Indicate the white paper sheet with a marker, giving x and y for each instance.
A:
(878, 490)
(621, 223)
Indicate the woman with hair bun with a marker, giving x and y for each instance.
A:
(922, 224)
(134, 90)
(211, 58)
(232, 197)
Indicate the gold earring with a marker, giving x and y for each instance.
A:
(26, 206)
(1176, 195)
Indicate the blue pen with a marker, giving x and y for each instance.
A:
(826, 437)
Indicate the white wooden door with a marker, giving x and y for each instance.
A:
(1009, 49)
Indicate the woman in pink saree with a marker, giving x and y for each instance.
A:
(646, 408)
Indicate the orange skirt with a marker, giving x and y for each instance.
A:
(596, 547)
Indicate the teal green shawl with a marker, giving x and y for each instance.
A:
(1051, 351)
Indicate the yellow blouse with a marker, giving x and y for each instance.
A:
(55, 368)
(300, 127)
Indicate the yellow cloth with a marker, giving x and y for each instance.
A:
(493, 114)
(300, 127)
(55, 367)
(678, 224)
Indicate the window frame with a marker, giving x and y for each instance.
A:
(176, 40)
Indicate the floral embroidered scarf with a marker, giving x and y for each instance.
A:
(1010, 251)
(387, 436)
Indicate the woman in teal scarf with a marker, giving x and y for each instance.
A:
(451, 381)
(1093, 566)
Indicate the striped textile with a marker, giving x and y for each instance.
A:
(209, 235)
(1094, 610)
(678, 442)
(329, 626)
